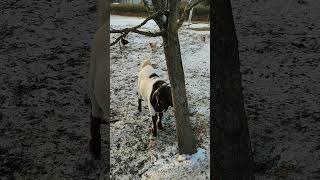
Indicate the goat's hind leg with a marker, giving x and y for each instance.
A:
(139, 104)
(159, 124)
(95, 122)
(95, 141)
(154, 128)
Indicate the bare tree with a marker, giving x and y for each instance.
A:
(232, 155)
(186, 139)
(167, 18)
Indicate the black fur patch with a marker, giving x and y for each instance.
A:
(153, 75)
(164, 94)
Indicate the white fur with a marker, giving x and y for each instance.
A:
(145, 83)
(98, 72)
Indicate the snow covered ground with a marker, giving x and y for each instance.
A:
(134, 153)
(44, 117)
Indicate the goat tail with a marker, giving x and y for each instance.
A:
(146, 61)
(103, 9)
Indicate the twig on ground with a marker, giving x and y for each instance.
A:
(144, 171)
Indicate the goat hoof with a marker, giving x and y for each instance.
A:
(160, 126)
(154, 132)
(95, 148)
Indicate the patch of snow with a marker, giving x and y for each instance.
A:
(180, 166)
(200, 155)
(194, 158)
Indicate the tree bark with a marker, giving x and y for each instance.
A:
(186, 139)
(190, 16)
(232, 155)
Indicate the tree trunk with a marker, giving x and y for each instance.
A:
(232, 155)
(186, 139)
(190, 16)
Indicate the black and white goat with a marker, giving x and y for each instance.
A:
(98, 84)
(155, 92)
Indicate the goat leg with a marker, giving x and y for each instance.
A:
(95, 141)
(139, 105)
(159, 124)
(154, 128)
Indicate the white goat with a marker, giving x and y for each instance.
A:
(99, 74)
(155, 92)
